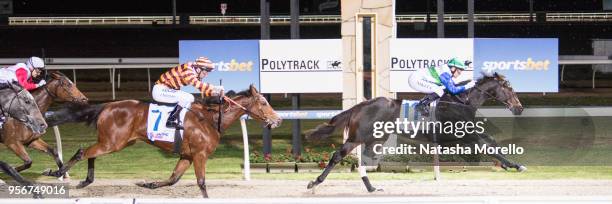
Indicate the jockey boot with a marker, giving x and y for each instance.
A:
(423, 105)
(173, 119)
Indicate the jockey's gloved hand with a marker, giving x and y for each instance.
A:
(470, 85)
(217, 90)
(42, 82)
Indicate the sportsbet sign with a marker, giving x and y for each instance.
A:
(235, 61)
(529, 64)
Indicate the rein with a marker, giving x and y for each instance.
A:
(491, 96)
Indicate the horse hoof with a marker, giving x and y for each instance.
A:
(49, 172)
(375, 190)
(521, 168)
(83, 184)
(313, 187)
(147, 185)
(503, 166)
(311, 184)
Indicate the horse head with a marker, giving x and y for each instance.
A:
(257, 107)
(496, 87)
(62, 89)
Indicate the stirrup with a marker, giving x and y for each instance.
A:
(423, 109)
(174, 125)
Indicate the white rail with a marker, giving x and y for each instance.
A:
(92, 20)
(305, 19)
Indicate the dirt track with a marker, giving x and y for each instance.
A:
(347, 188)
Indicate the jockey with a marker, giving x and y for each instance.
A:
(434, 80)
(24, 73)
(168, 88)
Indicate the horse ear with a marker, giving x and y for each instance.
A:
(54, 74)
(253, 89)
(496, 75)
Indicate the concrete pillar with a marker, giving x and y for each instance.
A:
(383, 13)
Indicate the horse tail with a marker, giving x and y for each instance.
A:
(75, 113)
(324, 130)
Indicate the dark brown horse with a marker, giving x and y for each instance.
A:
(358, 121)
(122, 123)
(15, 135)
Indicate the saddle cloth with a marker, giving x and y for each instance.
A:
(156, 123)
(409, 112)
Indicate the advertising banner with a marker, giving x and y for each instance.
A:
(235, 61)
(409, 55)
(531, 65)
(301, 66)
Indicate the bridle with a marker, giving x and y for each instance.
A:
(61, 85)
(508, 105)
(7, 113)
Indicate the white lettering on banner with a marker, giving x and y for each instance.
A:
(234, 66)
(527, 65)
(328, 114)
(397, 63)
(295, 114)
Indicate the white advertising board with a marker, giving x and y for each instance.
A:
(409, 55)
(301, 66)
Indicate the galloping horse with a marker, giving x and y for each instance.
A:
(18, 103)
(358, 121)
(15, 134)
(122, 123)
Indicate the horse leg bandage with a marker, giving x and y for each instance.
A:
(362, 171)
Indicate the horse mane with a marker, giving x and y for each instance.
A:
(245, 93)
(484, 79)
(213, 101)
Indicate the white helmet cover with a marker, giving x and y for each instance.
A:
(35, 62)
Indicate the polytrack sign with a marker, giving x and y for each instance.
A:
(409, 55)
(301, 66)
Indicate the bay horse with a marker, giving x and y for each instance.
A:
(122, 123)
(358, 121)
(15, 135)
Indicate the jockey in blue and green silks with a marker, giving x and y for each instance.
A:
(434, 80)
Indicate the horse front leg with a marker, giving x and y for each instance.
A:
(20, 151)
(42, 146)
(78, 156)
(199, 165)
(342, 152)
(182, 165)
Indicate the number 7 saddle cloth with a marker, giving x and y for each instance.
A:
(156, 122)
